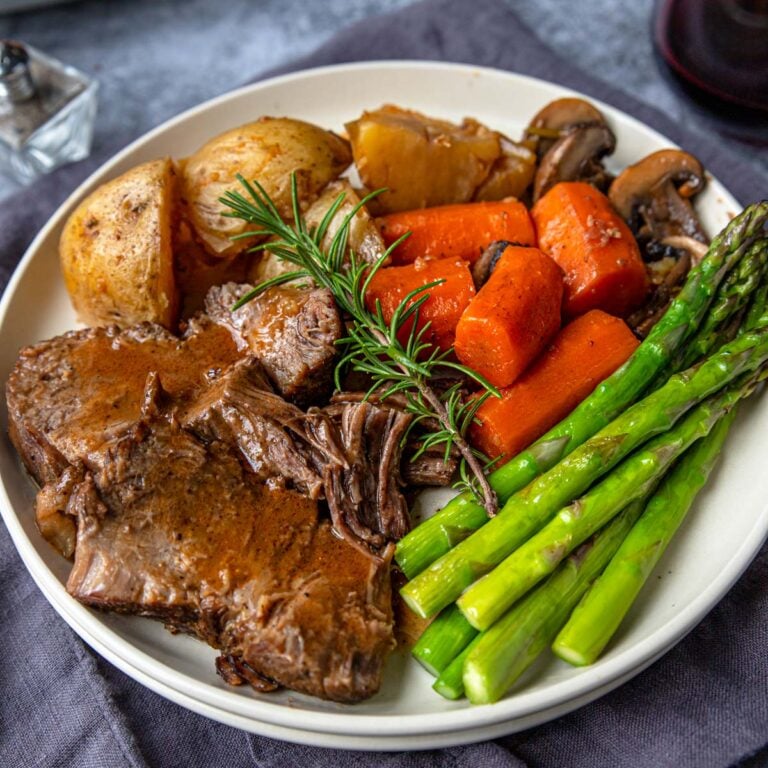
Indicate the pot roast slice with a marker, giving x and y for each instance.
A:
(292, 331)
(67, 395)
(178, 530)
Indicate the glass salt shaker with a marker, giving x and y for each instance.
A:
(47, 111)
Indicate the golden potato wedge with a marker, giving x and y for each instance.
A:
(269, 150)
(420, 160)
(116, 249)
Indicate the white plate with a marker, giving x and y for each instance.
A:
(723, 534)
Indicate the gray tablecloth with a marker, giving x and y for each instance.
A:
(704, 704)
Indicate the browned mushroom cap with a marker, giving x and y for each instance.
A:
(557, 116)
(561, 113)
(638, 183)
(653, 197)
(576, 156)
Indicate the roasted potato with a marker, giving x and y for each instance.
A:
(364, 236)
(511, 175)
(116, 249)
(420, 160)
(269, 150)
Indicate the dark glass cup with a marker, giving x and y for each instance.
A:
(717, 54)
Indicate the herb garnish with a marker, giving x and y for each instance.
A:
(372, 344)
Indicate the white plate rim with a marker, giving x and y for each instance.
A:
(507, 710)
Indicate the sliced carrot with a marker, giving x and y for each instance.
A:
(512, 317)
(456, 231)
(446, 301)
(577, 226)
(585, 352)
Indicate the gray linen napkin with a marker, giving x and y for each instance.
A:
(704, 704)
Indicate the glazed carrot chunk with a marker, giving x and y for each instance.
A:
(512, 317)
(456, 231)
(577, 226)
(586, 351)
(446, 301)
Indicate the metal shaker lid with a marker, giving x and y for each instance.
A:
(16, 82)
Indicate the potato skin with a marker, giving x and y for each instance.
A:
(268, 150)
(116, 249)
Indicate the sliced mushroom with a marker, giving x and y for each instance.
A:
(482, 268)
(653, 197)
(696, 249)
(576, 156)
(549, 122)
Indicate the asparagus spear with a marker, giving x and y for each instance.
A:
(733, 294)
(440, 643)
(443, 581)
(603, 608)
(450, 683)
(757, 312)
(752, 316)
(501, 654)
(490, 597)
(461, 516)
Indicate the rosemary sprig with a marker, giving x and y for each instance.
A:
(372, 345)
